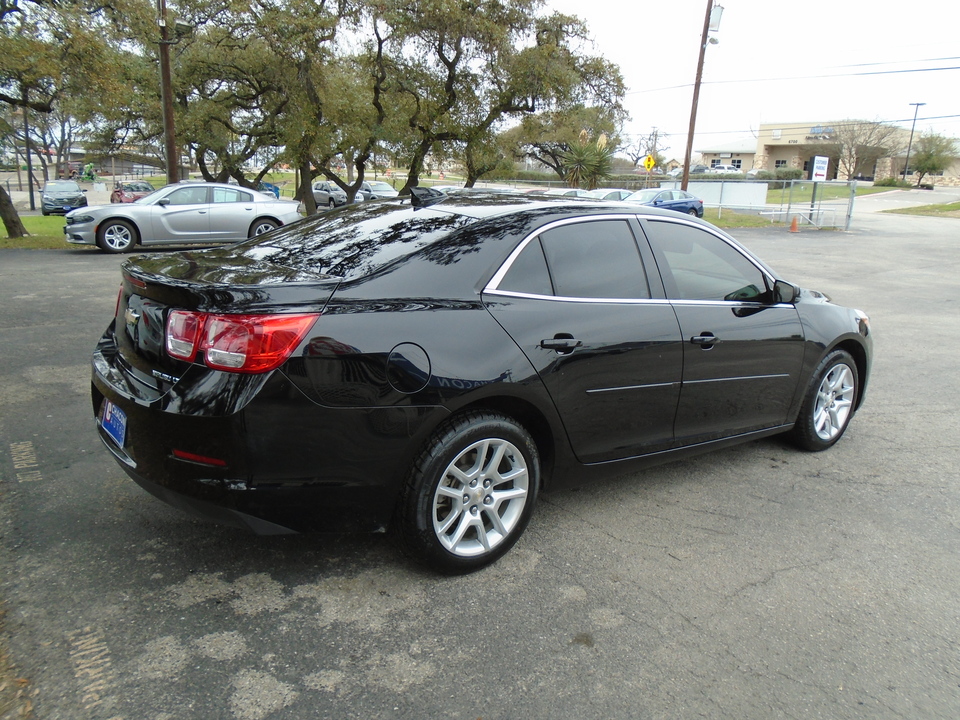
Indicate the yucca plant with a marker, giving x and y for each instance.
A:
(587, 163)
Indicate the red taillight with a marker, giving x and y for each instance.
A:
(237, 343)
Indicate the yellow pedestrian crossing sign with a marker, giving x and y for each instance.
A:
(649, 162)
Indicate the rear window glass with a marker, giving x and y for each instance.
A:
(359, 242)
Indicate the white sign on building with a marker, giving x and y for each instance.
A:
(820, 165)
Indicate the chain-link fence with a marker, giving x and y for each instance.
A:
(816, 204)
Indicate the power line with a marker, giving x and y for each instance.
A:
(833, 124)
(798, 77)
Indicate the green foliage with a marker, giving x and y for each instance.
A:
(934, 154)
(586, 164)
(892, 182)
(321, 85)
(788, 174)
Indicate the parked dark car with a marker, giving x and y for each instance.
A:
(127, 192)
(678, 200)
(429, 364)
(59, 197)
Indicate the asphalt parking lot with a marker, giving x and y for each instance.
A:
(755, 583)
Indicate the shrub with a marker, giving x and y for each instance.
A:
(789, 174)
(893, 182)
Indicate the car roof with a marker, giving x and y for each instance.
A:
(378, 247)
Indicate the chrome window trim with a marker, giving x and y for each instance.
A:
(492, 287)
(570, 299)
(632, 301)
(733, 244)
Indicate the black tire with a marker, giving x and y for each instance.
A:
(829, 403)
(693, 211)
(116, 236)
(449, 516)
(261, 226)
(44, 212)
(331, 203)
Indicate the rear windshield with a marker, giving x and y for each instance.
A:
(355, 243)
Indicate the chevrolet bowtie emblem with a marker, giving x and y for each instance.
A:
(132, 317)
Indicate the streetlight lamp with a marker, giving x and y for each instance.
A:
(710, 22)
(906, 164)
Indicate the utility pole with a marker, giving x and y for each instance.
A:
(711, 21)
(906, 164)
(171, 156)
(26, 145)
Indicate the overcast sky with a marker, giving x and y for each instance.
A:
(811, 61)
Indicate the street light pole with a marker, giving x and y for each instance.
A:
(171, 156)
(906, 164)
(696, 96)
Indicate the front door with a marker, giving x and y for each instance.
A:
(183, 216)
(742, 352)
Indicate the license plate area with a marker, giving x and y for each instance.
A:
(113, 420)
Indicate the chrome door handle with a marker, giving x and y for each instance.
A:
(561, 344)
(705, 339)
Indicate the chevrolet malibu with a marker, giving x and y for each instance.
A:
(430, 364)
(180, 213)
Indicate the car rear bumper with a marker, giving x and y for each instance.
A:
(266, 457)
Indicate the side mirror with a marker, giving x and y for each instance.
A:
(784, 292)
(163, 201)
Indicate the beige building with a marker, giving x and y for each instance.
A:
(793, 146)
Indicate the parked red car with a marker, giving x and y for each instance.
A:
(126, 192)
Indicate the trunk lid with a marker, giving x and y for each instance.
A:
(215, 281)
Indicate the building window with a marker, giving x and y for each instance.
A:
(736, 163)
(780, 164)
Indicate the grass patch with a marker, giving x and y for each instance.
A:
(803, 192)
(46, 233)
(730, 219)
(940, 210)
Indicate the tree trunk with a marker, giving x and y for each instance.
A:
(10, 217)
(416, 165)
(305, 191)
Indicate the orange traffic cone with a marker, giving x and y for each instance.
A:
(794, 226)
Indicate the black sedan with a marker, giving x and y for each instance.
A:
(59, 197)
(678, 200)
(430, 364)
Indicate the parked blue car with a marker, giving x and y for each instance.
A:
(266, 187)
(668, 199)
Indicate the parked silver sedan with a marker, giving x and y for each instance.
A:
(181, 213)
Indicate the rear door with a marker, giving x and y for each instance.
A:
(576, 298)
(232, 212)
